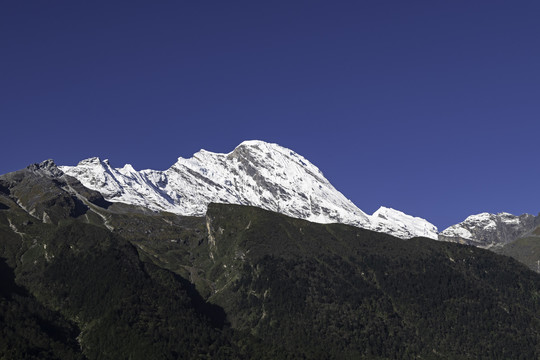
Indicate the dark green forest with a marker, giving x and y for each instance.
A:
(82, 278)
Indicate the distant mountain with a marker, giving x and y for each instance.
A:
(490, 231)
(83, 278)
(255, 173)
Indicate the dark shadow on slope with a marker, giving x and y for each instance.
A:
(3, 206)
(4, 189)
(101, 202)
(65, 333)
(216, 314)
(30, 328)
(79, 208)
(8, 287)
(92, 196)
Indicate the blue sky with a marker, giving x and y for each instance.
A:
(429, 107)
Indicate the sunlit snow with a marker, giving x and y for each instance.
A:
(255, 173)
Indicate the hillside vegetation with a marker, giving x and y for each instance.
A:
(86, 279)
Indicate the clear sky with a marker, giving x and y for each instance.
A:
(430, 107)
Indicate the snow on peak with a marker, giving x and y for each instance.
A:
(472, 224)
(261, 145)
(127, 168)
(93, 160)
(255, 173)
(488, 230)
(403, 225)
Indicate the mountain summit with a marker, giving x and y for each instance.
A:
(490, 231)
(255, 173)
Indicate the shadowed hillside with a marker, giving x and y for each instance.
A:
(112, 281)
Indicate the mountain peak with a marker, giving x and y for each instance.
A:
(488, 230)
(382, 211)
(47, 166)
(405, 226)
(256, 173)
(257, 143)
(92, 160)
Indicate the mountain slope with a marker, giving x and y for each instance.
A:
(525, 249)
(343, 292)
(242, 282)
(70, 264)
(28, 330)
(255, 173)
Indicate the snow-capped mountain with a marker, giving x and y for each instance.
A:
(490, 230)
(255, 173)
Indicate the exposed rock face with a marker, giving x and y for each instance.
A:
(256, 173)
(47, 167)
(490, 230)
(46, 193)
